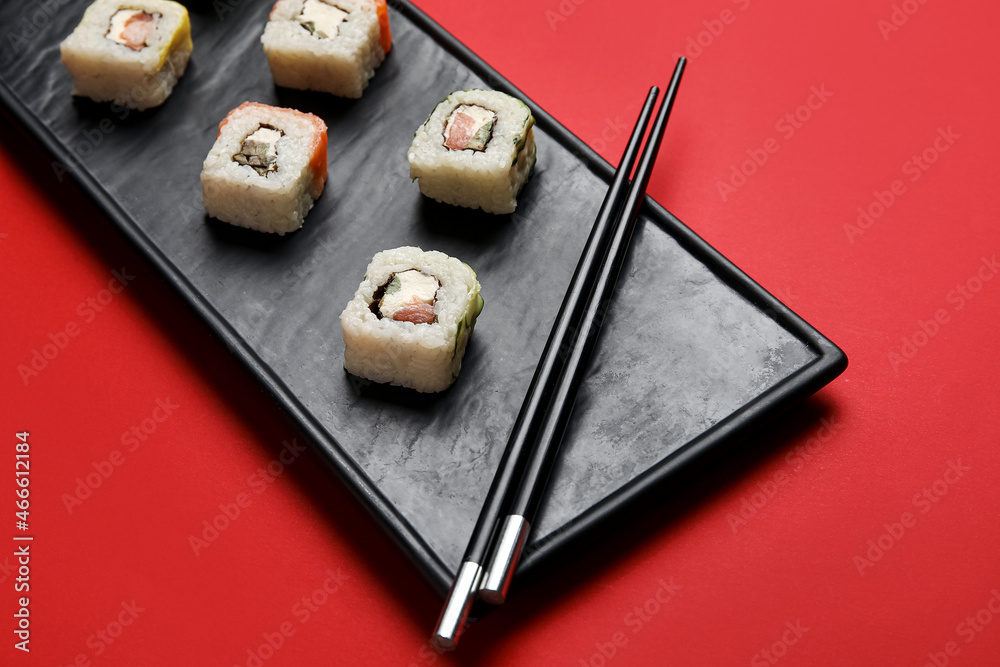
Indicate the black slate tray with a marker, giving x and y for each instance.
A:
(693, 353)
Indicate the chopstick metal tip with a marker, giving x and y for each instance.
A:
(455, 613)
(503, 561)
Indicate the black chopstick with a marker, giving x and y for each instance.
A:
(469, 578)
(524, 502)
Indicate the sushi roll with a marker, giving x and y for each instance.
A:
(410, 319)
(332, 46)
(267, 167)
(476, 149)
(129, 53)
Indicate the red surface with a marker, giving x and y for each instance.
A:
(690, 581)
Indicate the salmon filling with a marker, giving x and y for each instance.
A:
(408, 296)
(469, 127)
(132, 28)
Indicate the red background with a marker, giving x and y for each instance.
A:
(797, 558)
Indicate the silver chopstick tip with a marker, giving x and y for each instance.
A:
(503, 561)
(456, 609)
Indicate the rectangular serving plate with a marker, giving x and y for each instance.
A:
(669, 387)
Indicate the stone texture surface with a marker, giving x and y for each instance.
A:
(680, 351)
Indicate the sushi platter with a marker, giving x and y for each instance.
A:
(693, 353)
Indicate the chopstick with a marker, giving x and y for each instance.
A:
(469, 578)
(527, 496)
(471, 575)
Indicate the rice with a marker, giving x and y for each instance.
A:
(341, 63)
(490, 178)
(108, 71)
(424, 357)
(277, 200)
